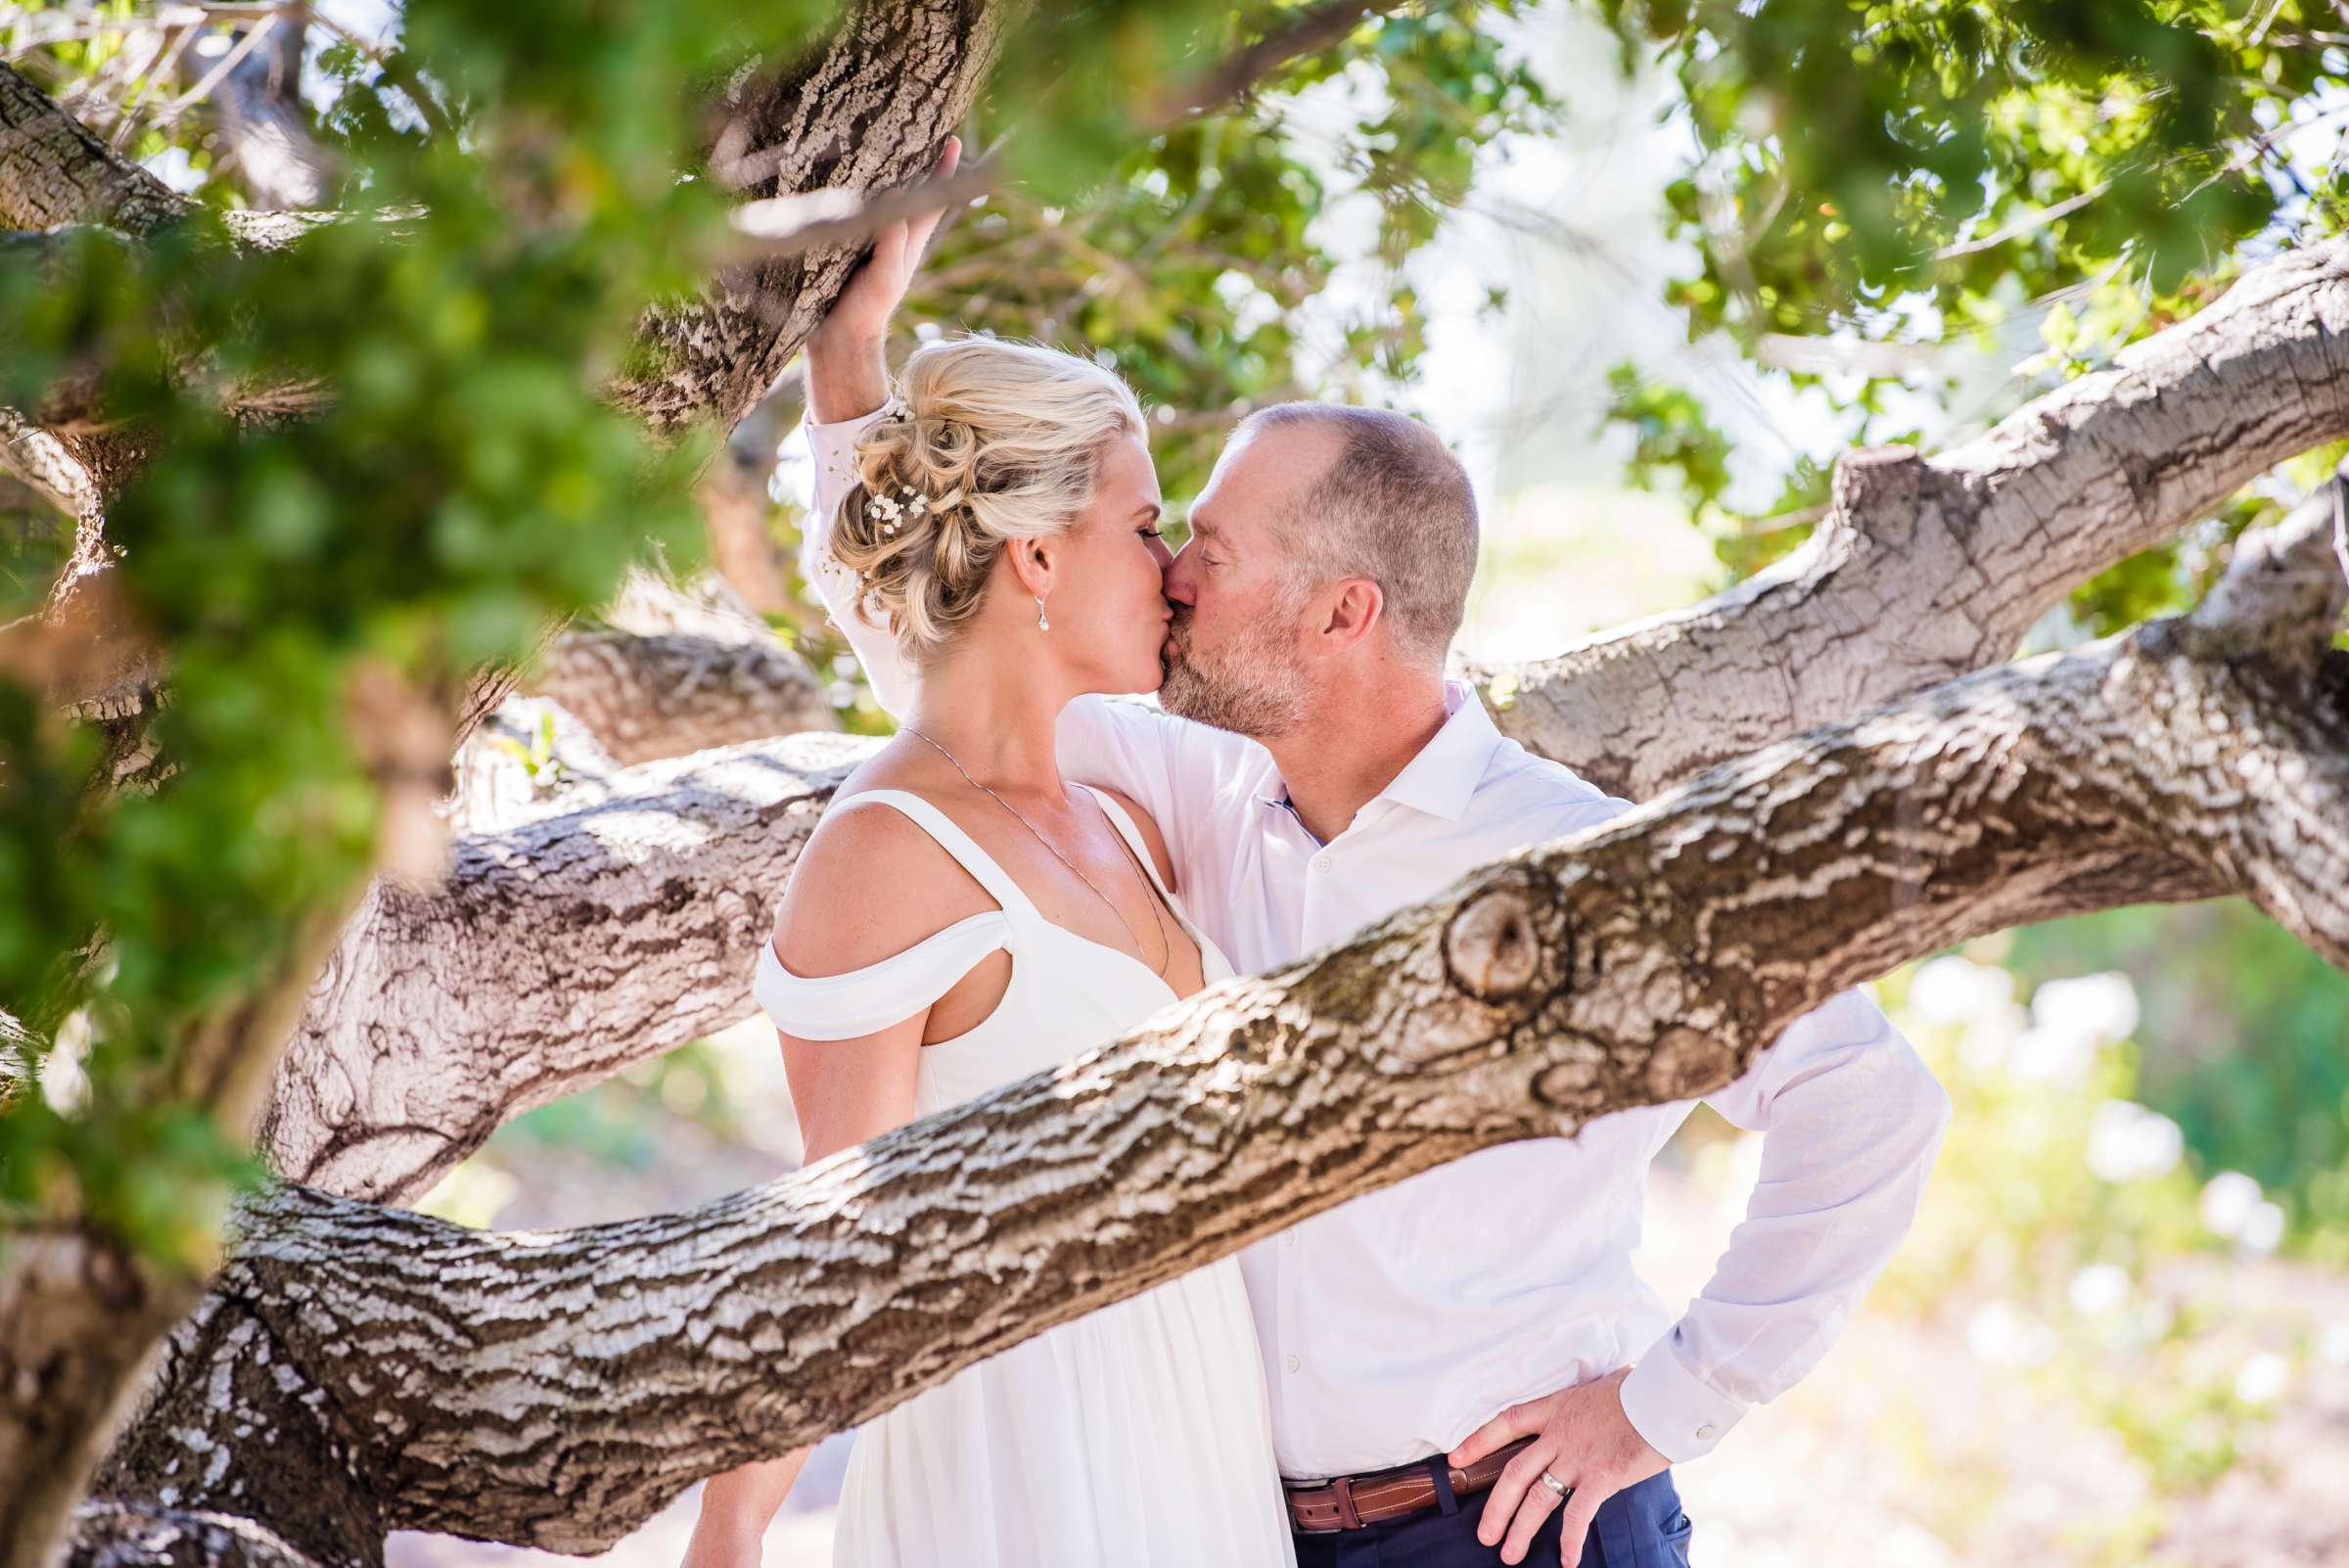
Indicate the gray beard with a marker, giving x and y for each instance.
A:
(1251, 690)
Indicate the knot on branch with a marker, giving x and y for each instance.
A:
(1686, 1062)
(1491, 947)
(1878, 490)
(2286, 587)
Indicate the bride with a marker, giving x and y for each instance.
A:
(963, 916)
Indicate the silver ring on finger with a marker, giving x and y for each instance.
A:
(1555, 1485)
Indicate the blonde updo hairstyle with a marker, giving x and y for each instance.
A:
(1000, 441)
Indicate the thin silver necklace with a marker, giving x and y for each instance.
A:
(1165, 941)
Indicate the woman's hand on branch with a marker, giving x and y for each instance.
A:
(845, 374)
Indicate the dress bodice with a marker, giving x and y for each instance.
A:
(1066, 993)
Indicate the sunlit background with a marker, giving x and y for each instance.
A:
(2120, 1332)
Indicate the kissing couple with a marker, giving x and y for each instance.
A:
(1461, 1368)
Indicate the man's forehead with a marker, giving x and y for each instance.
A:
(1265, 464)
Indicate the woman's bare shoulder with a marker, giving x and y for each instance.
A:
(869, 884)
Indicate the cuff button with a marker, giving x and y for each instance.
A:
(1704, 1431)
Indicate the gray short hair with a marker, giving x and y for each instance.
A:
(1396, 507)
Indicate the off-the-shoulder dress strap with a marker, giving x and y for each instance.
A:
(868, 999)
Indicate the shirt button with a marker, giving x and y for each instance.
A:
(1702, 1431)
(1320, 862)
(1289, 1361)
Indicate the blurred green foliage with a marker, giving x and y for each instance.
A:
(2245, 1044)
(508, 199)
(1920, 172)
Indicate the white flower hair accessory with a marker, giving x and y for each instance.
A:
(890, 512)
(897, 408)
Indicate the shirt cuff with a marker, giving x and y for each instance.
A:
(1678, 1416)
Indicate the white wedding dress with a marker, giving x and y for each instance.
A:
(1138, 1435)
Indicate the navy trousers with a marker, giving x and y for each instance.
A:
(1638, 1527)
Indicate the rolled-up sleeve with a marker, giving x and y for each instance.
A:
(1850, 1121)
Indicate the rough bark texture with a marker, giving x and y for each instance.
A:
(914, 66)
(557, 951)
(1848, 644)
(1927, 568)
(554, 1390)
(53, 171)
(359, 1369)
(680, 670)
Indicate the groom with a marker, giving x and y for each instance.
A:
(1463, 1367)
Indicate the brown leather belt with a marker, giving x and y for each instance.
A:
(1350, 1502)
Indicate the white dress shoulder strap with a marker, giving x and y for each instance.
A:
(1133, 834)
(1213, 965)
(866, 1000)
(955, 841)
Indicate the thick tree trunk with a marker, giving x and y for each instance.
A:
(556, 1390)
(912, 66)
(493, 1385)
(62, 1387)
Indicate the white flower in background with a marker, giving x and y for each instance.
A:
(2334, 1345)
(1952, 989)
(2099, 1008)
(2262, 1378)
(1995, 1334)
(2228, 1200)
(2126, 1142)
(2099, 1288)
(2262, 1229)
(65, 1081)
(2052, 1055)
(1987, 1045)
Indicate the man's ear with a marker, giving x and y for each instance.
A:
(1346, 612)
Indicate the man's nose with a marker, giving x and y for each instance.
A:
(1177, 575)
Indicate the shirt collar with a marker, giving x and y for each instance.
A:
(1442, 779)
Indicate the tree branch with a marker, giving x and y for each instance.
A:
(1925, 568)
(654, 687)
(1308, 31)
(914, 66)
(557, 951)
(499, 1387)
(53, 171)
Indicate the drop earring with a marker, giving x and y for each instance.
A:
(1041, 624)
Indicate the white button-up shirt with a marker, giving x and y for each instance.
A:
(1394, 1325)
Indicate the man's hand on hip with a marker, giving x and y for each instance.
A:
(1582, 1437)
